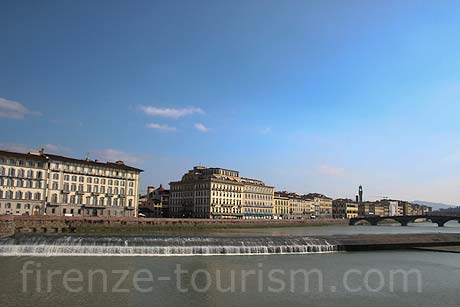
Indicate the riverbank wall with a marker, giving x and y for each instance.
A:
(11, 225)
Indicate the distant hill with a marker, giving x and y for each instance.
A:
(435, 206)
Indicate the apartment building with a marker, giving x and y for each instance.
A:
(47, 184)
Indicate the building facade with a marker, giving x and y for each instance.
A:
(344, 209)
(220, 193)
(46, 184)
(322, 205)
(155, 203)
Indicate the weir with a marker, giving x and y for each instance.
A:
(160, 246)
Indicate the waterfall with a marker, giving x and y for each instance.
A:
(160, 246)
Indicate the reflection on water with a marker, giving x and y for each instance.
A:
(440, 275)
(450, 227)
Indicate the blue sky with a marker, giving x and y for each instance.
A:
(310, 96)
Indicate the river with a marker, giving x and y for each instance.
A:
(392, 278)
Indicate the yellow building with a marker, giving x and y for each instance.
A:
(281, 206)
(40, 183)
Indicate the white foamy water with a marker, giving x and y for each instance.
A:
(160, 246)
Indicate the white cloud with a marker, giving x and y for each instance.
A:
(170, 112)
(160, 127)
(113, 155)
(201, 127)
(56, 148)
(330, 170)
(14, 110)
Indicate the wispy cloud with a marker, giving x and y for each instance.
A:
(330, 170)
(112, 155)
(170, 112)
(14, 110)
(201, 127)
(26, 148)
(160, 127)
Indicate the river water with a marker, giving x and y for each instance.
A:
(393, 278)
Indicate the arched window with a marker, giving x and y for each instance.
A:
(109, 201)
(39, 175)
(37, 196)
(94, 200)
(30, 174)
(101, 201)
(18, 195)
(21, 173)
(9, 194)
(11, 172)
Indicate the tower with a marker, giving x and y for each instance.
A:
(360, 194)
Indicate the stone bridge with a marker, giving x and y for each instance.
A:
(405, 219)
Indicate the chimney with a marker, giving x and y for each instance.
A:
(150, 189)
(120, 162)
(41, 152)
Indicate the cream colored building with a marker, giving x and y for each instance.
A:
(322, 205)
(220, 193)
(63, 186)
(292, 206)
(344, 209)
(281, 206)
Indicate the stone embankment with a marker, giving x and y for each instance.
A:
(11, 225)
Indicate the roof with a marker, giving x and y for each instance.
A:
(94, 163)
(46, 157)
(22, 155)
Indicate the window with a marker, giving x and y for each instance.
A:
(122, 191)
(27, 206)
(79, 199)
(39, 175)
(88, 188)
(54, 198)
(55, 186)
(37, 196)
(64, 198)
(88, 180)
(96, 181)
(131, 184)
(30, 174)
(81, 179)
(74, 178)
(131, 192)
(66, 186)
(80, 188)
(1, 194)
(2, 171)
(72, 199)
(115, 191)
(66, 177)
(102, 189)
(73, 187)
(18, 206)
(11, 172)
(18, 195)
